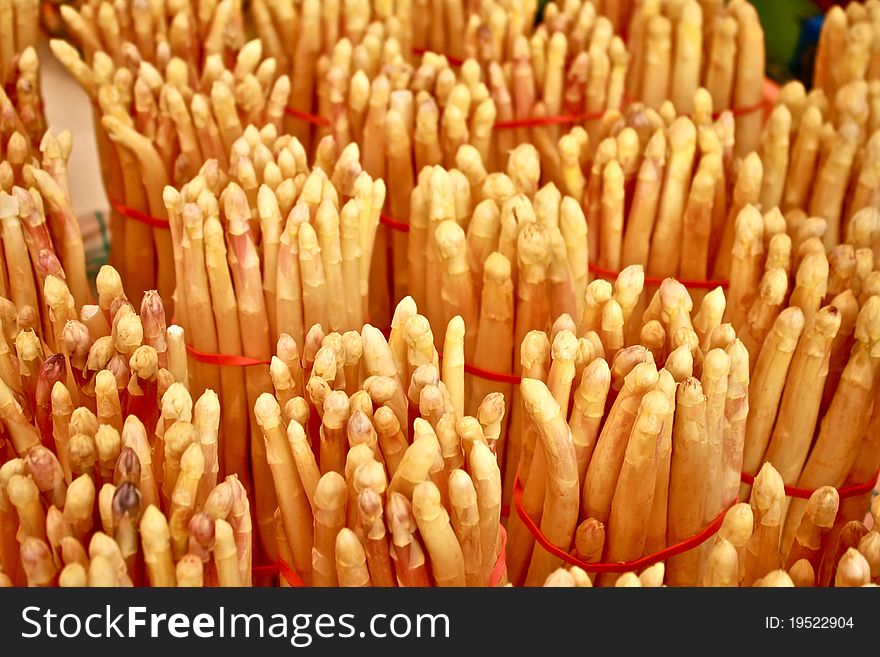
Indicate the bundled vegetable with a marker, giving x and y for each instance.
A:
(814, 560)
(619, 459)
(21, 101)
(157, 122)
(19, 33)
(306, 32)
(813, 414)
(820, 157)
(265, 248)
(381, 477)
(848, 48)
(133, 31)
(679, 46)
(660, 190)
(42, 242)
(105, 430)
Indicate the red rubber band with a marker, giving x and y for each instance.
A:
(650, 280)
(638, 564)
(741, 111)
(488, 375)
(561, 119)
(393, 224)
(454, 61)
(227, 360)
(529, 122)
(498, 377)
(307, 117)
(806, 493)
(292, 578)
(289, 574)
(500, 567)
(283, 569)
(549, 120)
(142, 217)
(265, 569)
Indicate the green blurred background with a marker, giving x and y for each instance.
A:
(790, 36)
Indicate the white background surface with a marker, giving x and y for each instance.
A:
(69, 108)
